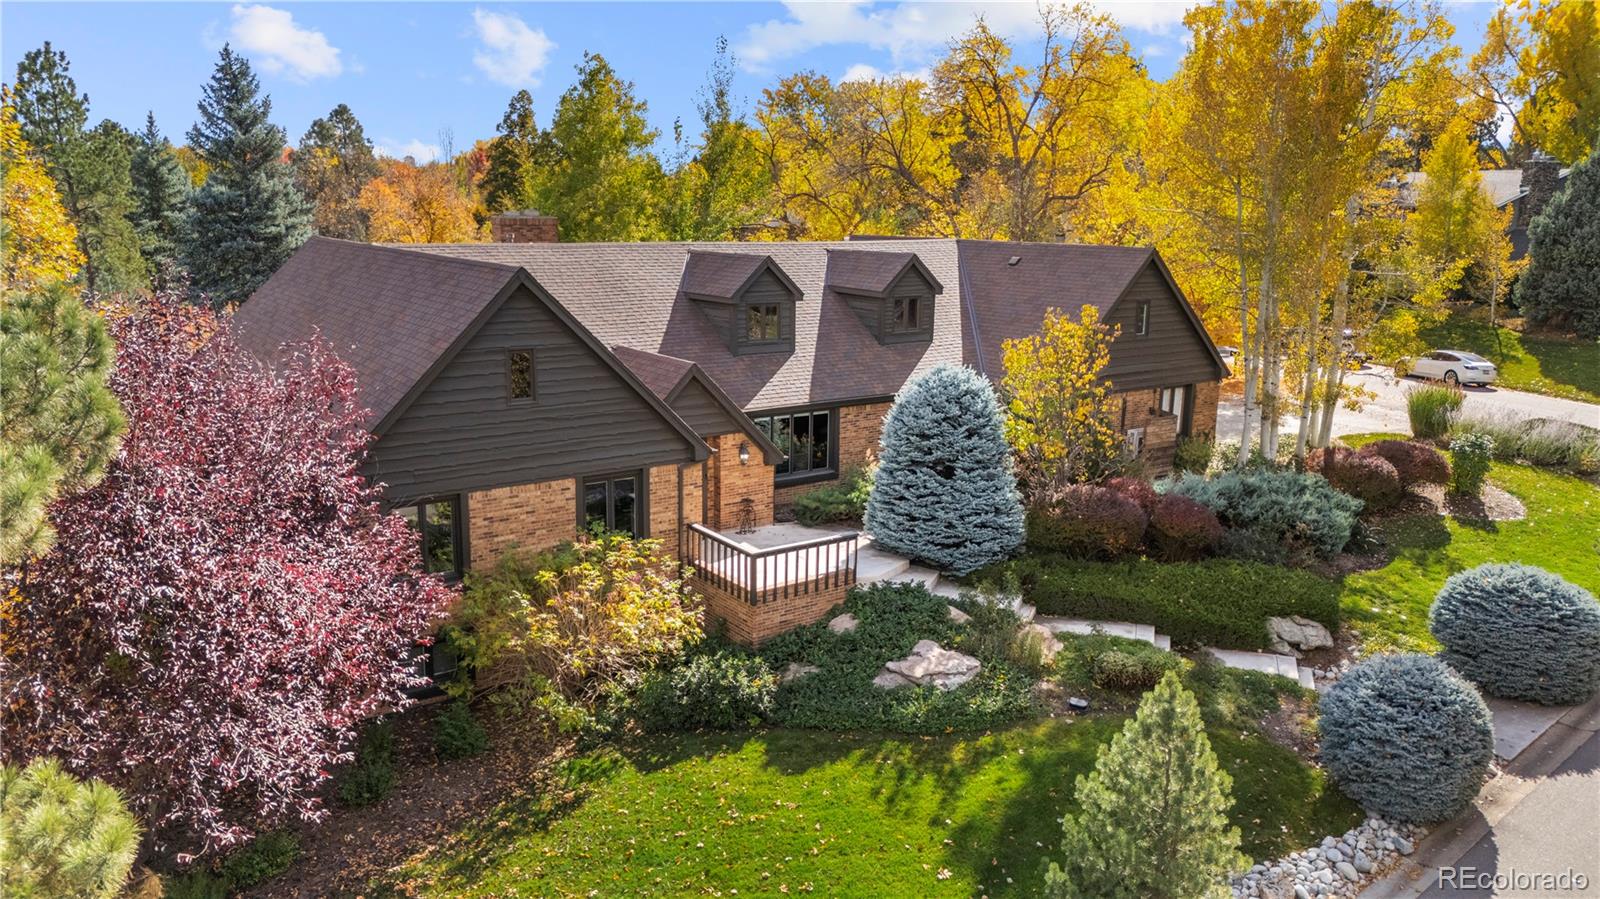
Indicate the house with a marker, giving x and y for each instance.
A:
(523, 390)
(1525, 191)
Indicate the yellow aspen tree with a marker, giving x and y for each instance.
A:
(1059, 408)
(38, 243)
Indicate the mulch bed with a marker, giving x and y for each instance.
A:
(431, 799)
(1494, 505)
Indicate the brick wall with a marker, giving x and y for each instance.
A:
(728, 482)
(753, 625)
(529, 516)
(523, 227)
(662, 497)
(1142, 409)
(1206, 395)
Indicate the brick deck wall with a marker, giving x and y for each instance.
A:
(753, 625)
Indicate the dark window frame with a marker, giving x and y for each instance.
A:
(641, 508)
(458, 532)
(783, 473)
(911, 323)
(1183, 397)
(422, 663)
(533, 383)
(745, 310)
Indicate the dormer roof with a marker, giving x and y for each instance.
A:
(723, 277)
(872, 273)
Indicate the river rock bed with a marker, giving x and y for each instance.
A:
(1337, 869)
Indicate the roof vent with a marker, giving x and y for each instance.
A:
(1013, 260)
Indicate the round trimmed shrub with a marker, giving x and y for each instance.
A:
(1136, 489)
(721, 689)
(1182, 529)
(1416, 463)
(1086, 521)
(1367, 477)
(1406, 737)
(1520, 632)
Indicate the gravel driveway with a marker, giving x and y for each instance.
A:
(1387, 410)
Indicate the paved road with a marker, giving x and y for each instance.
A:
(1554, 829)
(1386, 409)
(1540, 817)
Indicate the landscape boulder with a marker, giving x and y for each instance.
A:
(1297, 632)
(929, 664)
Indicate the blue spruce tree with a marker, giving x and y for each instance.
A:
(945, 493)
(1559, 284)
(160, 201)
(249, 216)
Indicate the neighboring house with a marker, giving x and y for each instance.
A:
(523, 391)
(1525, 190)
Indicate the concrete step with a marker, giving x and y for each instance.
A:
(1164, 642)
(1267, 662)
(946, 589)
(874, 565)
(1125, 629)
(915, 574)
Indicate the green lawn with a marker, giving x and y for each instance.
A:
(1389, 606)
(836, 814)
(1536, 363)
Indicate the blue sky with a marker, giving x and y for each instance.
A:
(412, 71)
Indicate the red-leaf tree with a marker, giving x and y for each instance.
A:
(221, 611)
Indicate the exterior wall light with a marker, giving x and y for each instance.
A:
(744, 453)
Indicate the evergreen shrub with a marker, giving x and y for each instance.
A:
(1286, 507)
(456, 733)
(1470, 456)
(1520, 632)
(1407, 737)
(723, 689)
(945, 493)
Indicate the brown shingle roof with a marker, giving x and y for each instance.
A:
(628, 294)
(390, 314)
(1009, 301)
(659, 373)
(870, 272)
(723, 276)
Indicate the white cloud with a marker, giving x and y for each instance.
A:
(513, 54)
(273, 41)
(418, 150)
(909, 30)
(863, 72)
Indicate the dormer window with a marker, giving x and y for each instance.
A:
(519, 376)
(904, 317)
(892, 293)
(747, 298)
(762, 323)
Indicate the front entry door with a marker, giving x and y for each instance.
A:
(612, 503)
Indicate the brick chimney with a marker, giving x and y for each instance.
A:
(523, 226)
(1540, 176)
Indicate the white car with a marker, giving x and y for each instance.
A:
(1454, 367)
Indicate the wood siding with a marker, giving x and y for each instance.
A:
(876, 314)
(1170, 354)
(463, 433)
(728, 318)
(701, 411)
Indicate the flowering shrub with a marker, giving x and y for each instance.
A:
(1182, 529)
(1137, 489)
(1406, 737)
(229, 603)
(577, 621)
(1415, 463)
(1085, 520)
(1520, 632)
(1470, 455)
(1277, 506)
(1367, 477)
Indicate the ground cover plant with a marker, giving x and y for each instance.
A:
(1520, 632)
(892, 618)
(1407, 737)
(1217, 602)
(1389, 605)
(842, 500)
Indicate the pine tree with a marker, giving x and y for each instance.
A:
(1154, 819)
(944, 492)
(160, 200)
(249, 216)
(516, 157)
(89, 167)
(332, 164)
(604, 182)
(60, 421)
(1559, 284)
(63, 837)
